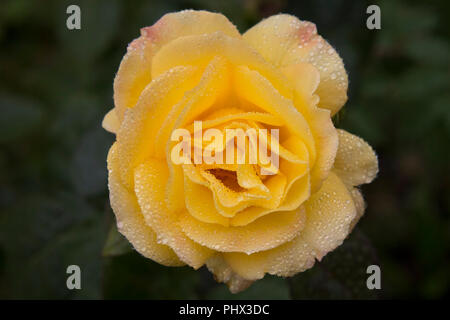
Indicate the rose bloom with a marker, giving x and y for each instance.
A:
(195, 66)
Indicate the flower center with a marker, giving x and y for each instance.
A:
(228, 178)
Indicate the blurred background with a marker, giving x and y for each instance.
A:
(56, 85)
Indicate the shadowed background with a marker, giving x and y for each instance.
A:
(56, 85)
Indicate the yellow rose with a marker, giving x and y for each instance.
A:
(195, 66)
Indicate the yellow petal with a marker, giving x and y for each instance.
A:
(294, 191)
(286, 194)
(253, 87)
(360, 205)
(294, 169)
(142, 122)
(208, 203)
(193, 173)
(212, 86)
(298, 192)
(285, 261)
(130, 220)
(284, 40)
(133, 75)
(283, 152)
(209, 199)
(356, 162)
(111, 122)
(229, 198)
(189, 22)
(223, 273)
(330, 212)
(200, 50)
(200, 206)
(247, 178)
(248, 215)
(135, 69)
(255, 116)
(150, 178)
(306, 77)
(326, 140)
(265, 233)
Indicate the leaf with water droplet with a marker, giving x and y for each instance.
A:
(116, 244)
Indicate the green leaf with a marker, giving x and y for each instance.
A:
(116, 244)
(340, 275)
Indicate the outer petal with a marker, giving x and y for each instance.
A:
(190, 22)
(285, 260)
(284, 40)
(111, 122)
(133, 75)
(130, 220)
(306, 79)
(356, 162)
(150, 190)
(360, 205)
(264, 233)
(330, 213)
(142, 122)
(199, 50)
(135, 69)
(223, 273)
